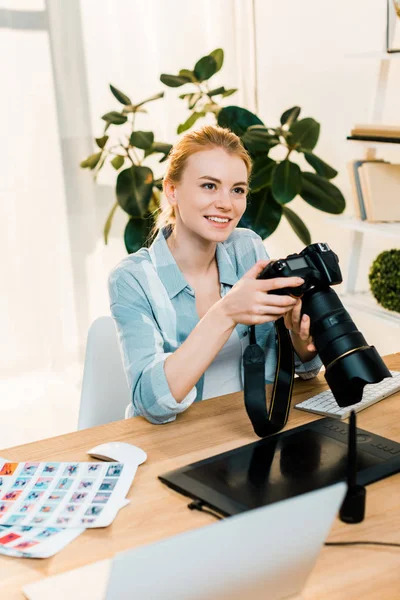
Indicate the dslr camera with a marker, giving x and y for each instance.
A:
(349, 361)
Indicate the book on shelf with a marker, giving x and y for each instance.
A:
(354, 176)
(380, 186)
(376, 190)
(376, 130)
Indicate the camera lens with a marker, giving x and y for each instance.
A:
(350, 363)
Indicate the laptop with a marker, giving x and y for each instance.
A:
(268, 552)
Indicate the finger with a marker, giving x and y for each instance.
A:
(311, 347)
(288, 320)
(274, 300)
(256, 269)
(266, 285)
(261, 309)
(296, 315)
(305, 327)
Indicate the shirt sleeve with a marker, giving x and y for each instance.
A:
(305, 370)
(142, 349)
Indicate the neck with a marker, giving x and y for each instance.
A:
(193, 254)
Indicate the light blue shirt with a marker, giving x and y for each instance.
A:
(154, 309)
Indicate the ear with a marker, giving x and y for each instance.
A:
(170, 192)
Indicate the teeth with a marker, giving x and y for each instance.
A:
(217, 219)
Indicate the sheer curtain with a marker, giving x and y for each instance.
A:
(60, 58)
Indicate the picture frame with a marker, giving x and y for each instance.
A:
(393, 26)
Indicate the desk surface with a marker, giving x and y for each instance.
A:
(156, 512)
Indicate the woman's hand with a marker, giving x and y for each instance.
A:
(300, 330)
(248, 303)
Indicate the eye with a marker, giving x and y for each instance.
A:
(239, 190)
(204, 185)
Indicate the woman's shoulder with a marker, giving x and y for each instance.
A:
(129, 271)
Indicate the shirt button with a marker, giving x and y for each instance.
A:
(244, 334)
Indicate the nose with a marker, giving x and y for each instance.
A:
(224, 200)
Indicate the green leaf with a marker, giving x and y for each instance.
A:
(120, 96)
(101, 142)
(91, 161)
(263, 169)
(174, 80)
(141, 139)
(117, 162)
(134, 190)
(262, 214)
(258, 139)
(286, 182)
(114, 118)
(218, 56)
(321, 167)
(205, 68)
(304, 133)
(298, 226)
(155, 97)
(189, 74)
(217, 91)
(290, 116)
(158, 147)
(237, 119)
(322, 194)
(190, 121)
(107, 225)
(137, 233)
(229, 92)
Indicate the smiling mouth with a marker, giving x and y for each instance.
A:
(218, 220)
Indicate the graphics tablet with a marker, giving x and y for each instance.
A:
(284, 465)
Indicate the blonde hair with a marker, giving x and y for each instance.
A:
(209, 136)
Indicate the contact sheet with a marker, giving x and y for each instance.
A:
(66, 495)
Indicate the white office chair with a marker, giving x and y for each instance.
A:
(105, 393)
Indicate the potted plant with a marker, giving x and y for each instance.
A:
(384, 279)
(274, 183)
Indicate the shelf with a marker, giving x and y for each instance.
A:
(376, 139)
(385, 229)
(366, 303)
(378, 55)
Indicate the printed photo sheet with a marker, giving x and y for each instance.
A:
(35, 542)
(65, 495)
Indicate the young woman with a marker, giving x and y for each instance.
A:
(183, 307)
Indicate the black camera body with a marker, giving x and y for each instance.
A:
(317, 264)
(349, 361)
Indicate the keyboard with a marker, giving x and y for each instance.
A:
(325, 404)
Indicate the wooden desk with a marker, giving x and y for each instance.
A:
(155, 511)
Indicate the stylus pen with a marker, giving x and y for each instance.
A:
(352, 457)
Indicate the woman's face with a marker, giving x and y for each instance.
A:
(210, 199)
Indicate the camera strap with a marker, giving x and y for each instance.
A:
(268, 422)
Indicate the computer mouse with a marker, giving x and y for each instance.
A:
(120, 452)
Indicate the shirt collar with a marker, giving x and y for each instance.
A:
(171, 275)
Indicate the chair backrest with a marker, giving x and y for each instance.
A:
(105, 393)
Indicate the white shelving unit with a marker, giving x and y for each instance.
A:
(351, 298)
(364, 300)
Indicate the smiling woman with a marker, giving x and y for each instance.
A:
(183, 306)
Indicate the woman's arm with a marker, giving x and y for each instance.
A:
(187, 364)
(162, 383)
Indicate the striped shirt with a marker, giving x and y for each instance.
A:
(154, 309)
